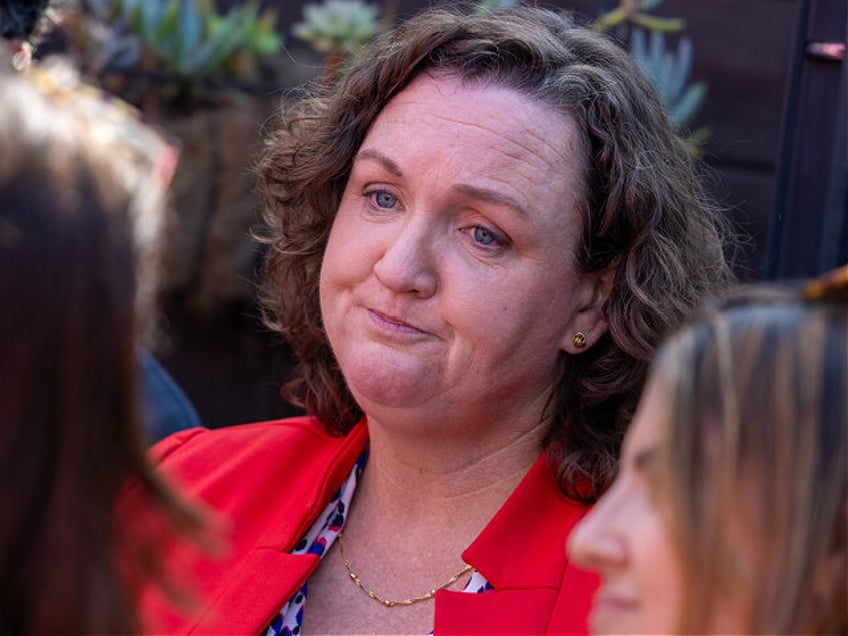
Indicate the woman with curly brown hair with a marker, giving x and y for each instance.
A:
(478, 233)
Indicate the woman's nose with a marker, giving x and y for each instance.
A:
(407, 264)
(595, 543)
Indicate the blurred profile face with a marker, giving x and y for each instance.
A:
(449, 282)
(625, 537)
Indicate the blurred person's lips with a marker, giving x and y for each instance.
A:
(609, 606)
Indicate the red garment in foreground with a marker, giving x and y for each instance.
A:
(272, 479)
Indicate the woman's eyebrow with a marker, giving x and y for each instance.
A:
(383, 160)
(491, 196)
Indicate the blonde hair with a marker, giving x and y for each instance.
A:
(756, 478)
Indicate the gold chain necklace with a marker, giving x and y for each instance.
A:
(388, 602)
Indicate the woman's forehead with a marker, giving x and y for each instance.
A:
(648, 427)
(482, 126)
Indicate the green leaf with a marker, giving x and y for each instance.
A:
(655, 23)
(266, 40)
(165, 45)
(610, 19)
(485, 6)
(134, 18)
(189, 31)
(218, 47)
(263, 44)
(189, 37)
(700, 136)
(152, 14)
(214, 23)
(687, 106)
(682, 68)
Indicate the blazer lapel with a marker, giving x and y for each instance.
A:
(521, 552)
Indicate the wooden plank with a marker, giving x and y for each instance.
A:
(813, 152)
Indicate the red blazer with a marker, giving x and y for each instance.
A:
(271, 480)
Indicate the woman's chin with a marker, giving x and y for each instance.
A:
(386, 383)
(614, 618)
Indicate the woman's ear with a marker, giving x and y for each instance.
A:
(588, 323)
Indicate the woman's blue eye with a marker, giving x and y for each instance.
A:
(484, 236)
(385, 199)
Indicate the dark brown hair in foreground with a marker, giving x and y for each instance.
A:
(70, 437)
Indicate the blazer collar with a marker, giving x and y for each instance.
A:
(517, 549)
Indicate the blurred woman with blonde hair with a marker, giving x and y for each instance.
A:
(730, 513)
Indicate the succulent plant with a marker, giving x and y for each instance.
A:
(187, 38)
(668, 72)
(636, 12)
(337, 25)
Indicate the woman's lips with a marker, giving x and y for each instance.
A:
(608, 608)
(393, 324)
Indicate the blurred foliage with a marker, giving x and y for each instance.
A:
(185, 41)
(636, 12)
(337, 25)
(668, 70)
(495, 5)
(192, 44)
(336, 28)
